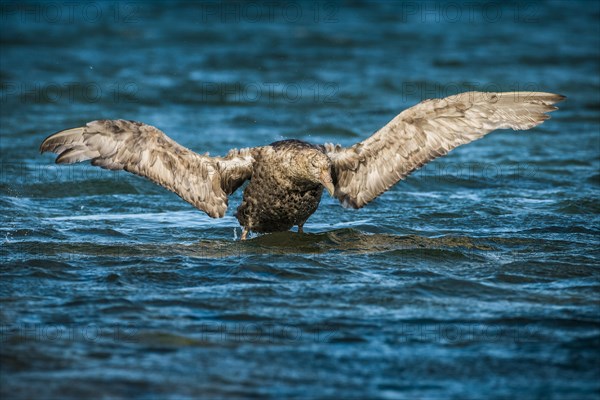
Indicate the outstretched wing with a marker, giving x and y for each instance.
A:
(426, 131)
(144, 150)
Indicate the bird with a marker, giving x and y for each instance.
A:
(287, 177)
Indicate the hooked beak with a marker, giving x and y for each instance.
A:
(326, 180)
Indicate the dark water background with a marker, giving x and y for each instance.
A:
(477, 277)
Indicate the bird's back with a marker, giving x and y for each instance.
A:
(272, 201)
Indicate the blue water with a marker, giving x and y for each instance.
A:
(476, 277)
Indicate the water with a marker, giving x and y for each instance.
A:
(477, 277)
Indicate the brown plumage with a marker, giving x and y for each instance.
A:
(287, 177)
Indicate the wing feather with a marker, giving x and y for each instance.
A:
(426, 131)
(205, 182)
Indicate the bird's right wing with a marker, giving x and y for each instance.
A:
(426, 131)
(203, 181)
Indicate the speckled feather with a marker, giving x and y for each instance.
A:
(274, 200)
(284, 188)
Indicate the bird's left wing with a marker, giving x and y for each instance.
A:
(203, 181)
(426, 131)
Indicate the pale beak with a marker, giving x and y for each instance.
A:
(325, 179)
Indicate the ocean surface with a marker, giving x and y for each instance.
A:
(476, 277)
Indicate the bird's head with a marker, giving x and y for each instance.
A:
(318, 168)
(304, 164)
